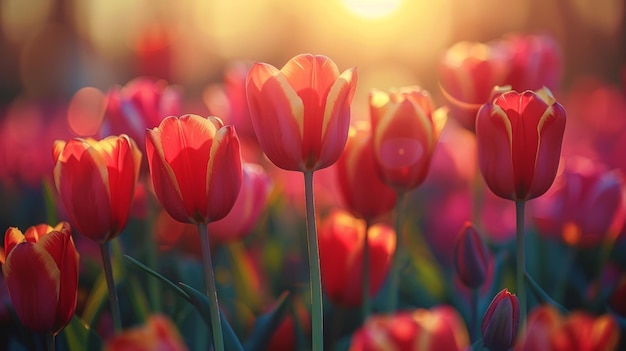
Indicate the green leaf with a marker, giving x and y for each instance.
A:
(154, 274)
(201, 302)
(541, 295)
(266, 325)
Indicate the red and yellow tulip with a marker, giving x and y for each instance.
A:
(301, 113)
(405, 131)
(196, 168)
(41, 272)
(519, 139)
(96, 182)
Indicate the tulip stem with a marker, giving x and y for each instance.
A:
(366, 307)
(211, 291)
(50, 342)
(105, 250)
(317, 312)
(521, 259)
(398, 258)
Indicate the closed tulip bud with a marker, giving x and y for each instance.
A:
(341, 242)
(301, 113)
(41, 272)
(250, 203)
(157, 334)
(535, 61)
(196, 168)
(501, 321)
(364, 192)
(435, 329)
(471, 257)
(405, 131)
(96, 182)
(519, 139)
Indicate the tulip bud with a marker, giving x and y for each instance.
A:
(471, 257)
(500, 322)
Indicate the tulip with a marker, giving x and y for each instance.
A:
(468, 72)
(364, 192)
(196, 170)
(195, 165)
(586, 205)
(471, 257)
(342, 240)
(250, 203)
(405, 131)
(41, 272)
(547, 330)
(157, 334)
(519, 143)
(142, 103)
(500, 322)
(96, 182)
(439, 328)
(301, 113)
(301, 117)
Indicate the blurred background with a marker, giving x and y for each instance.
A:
(52, 49)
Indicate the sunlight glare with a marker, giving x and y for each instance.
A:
(372, 9)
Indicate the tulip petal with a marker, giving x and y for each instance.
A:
(60, 246)
(277, 114)
(33, 280)
(163, 178)
(336, 121)
(12, 237)
(550, 129)
(34, 233)
(494, 150)
(122, 158)
(82, 180)
(223, 174)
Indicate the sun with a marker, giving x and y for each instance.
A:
(372, 9)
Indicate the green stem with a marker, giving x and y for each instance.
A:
(50, 342)
(105, 251)
(477, 199)
(317, 313)
(211, 291)
(563, 274)
(366, 306)
(398, 258)
(521, 259)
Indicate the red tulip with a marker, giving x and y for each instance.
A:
(439, 328)
(548, 330)
(248, 207)
(364, 192)
(96, 182)
(41, 272)
(519, 139)
(585, 206)
(301, 113)
(159, 333)
(405, 131)
(140, 104)
(195, 164)
(341, 241)
(471, 257)
(501, 321)
(468, 72)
